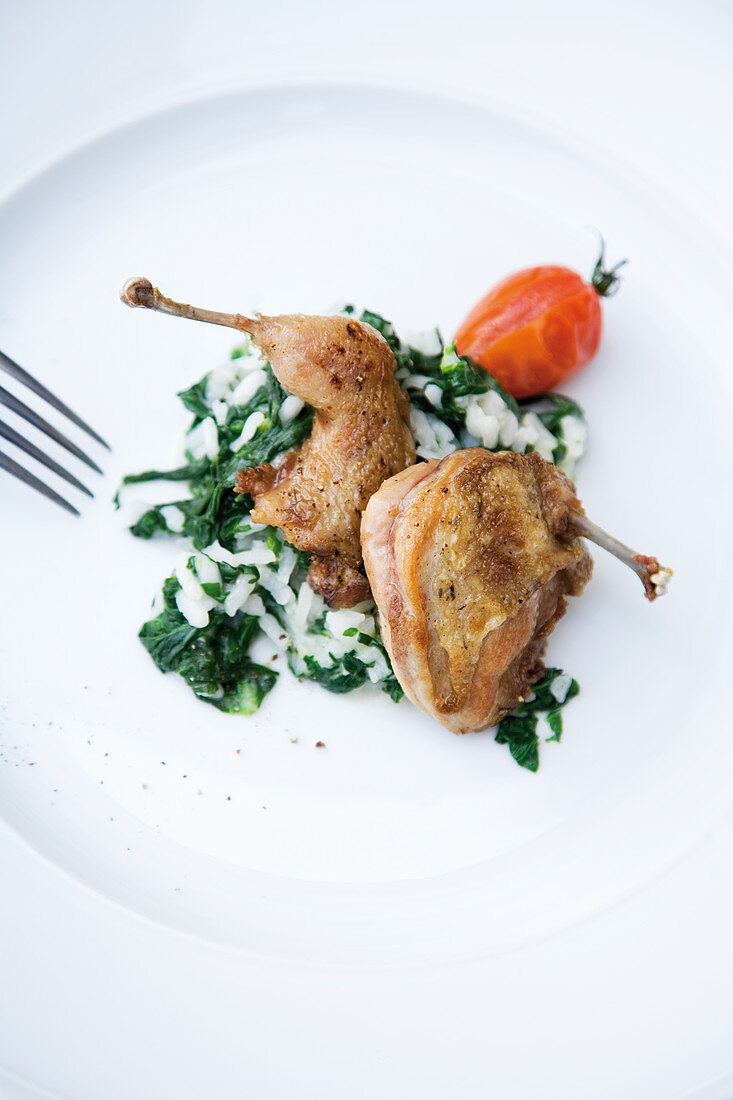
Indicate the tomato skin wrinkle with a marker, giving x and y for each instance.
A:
(534, 329)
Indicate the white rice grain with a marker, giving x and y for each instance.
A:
(196, 612)
(575, 437)
(207, 570)
(251, 424)
(173, 518)
(290, 408)
(210, 437)
(483, 426)
(248, 387)
(434, 395)
(433, 438)
(240, 592)
(339, 621)
(560, 687)
(259, 554)
(188, 580)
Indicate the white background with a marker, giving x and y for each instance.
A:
(649, 80)
(652, 83)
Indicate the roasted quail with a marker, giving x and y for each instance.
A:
(361, 434)
(470, 560)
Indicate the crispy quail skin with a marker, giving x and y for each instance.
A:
(361, 436)
(470, 560)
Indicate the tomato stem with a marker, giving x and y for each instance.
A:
(606, 282)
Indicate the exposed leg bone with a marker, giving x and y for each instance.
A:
(141, 292)
(654, 577)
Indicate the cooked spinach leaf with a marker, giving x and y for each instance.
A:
(552, 407)
(382, 325)
(343, 676)
(519, 732)
(212, 659)
(392, 687)
(194, 399)
(519, 729)
(346, 674)
(151, 523)
(190, 472)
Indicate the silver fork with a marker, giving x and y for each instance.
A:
(31, 417)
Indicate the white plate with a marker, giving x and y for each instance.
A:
(397, 847)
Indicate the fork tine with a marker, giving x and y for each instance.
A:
(37, 421)
(16, 371)
(35, 452)
(20, 472)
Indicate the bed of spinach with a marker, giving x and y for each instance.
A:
(212, 660)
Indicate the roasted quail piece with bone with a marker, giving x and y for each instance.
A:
(471, 560)
(361, 434)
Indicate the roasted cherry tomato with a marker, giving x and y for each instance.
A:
(537, 327)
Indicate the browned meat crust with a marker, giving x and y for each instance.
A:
(360, 437)
(470, 560)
